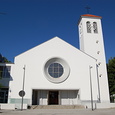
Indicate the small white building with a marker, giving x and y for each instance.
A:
(57, 73)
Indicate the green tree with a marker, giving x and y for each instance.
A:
(111, 75)
(4, 59)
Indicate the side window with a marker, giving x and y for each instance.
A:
(1, 71)
(5, 71)
(95, 27)
(88, 27)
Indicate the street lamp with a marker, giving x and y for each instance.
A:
(90, 67)
(97, 67)
(23, 92)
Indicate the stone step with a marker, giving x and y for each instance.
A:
(57, 107)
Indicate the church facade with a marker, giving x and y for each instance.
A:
(57, 73)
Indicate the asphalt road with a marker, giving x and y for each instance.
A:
(59, 112)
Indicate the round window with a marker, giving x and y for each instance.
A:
(56, 70)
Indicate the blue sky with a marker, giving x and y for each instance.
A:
(28, 23)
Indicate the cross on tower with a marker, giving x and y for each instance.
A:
(87, 8)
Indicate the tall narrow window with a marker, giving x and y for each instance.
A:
(88, 27)
(95, 27)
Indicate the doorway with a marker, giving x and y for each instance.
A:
(53, 98)
(3, 95)
(34, 97)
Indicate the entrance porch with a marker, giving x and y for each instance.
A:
(55, 97)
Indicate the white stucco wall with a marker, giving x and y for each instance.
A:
(89, 45)
(35, 59)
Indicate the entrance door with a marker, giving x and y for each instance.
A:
(53, 98)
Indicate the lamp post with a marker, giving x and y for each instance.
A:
(23, 93)
(97, 67)
(90, 67)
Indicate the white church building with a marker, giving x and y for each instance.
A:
(57, 73)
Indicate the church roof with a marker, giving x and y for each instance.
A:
(90, 15)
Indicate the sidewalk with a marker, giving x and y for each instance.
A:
(59, 112)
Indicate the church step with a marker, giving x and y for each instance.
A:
(57, 107)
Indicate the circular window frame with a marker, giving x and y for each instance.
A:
(65, 68)
(55, 70)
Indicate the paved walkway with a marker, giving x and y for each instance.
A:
(59, 112)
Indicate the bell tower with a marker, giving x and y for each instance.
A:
(91, 43)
